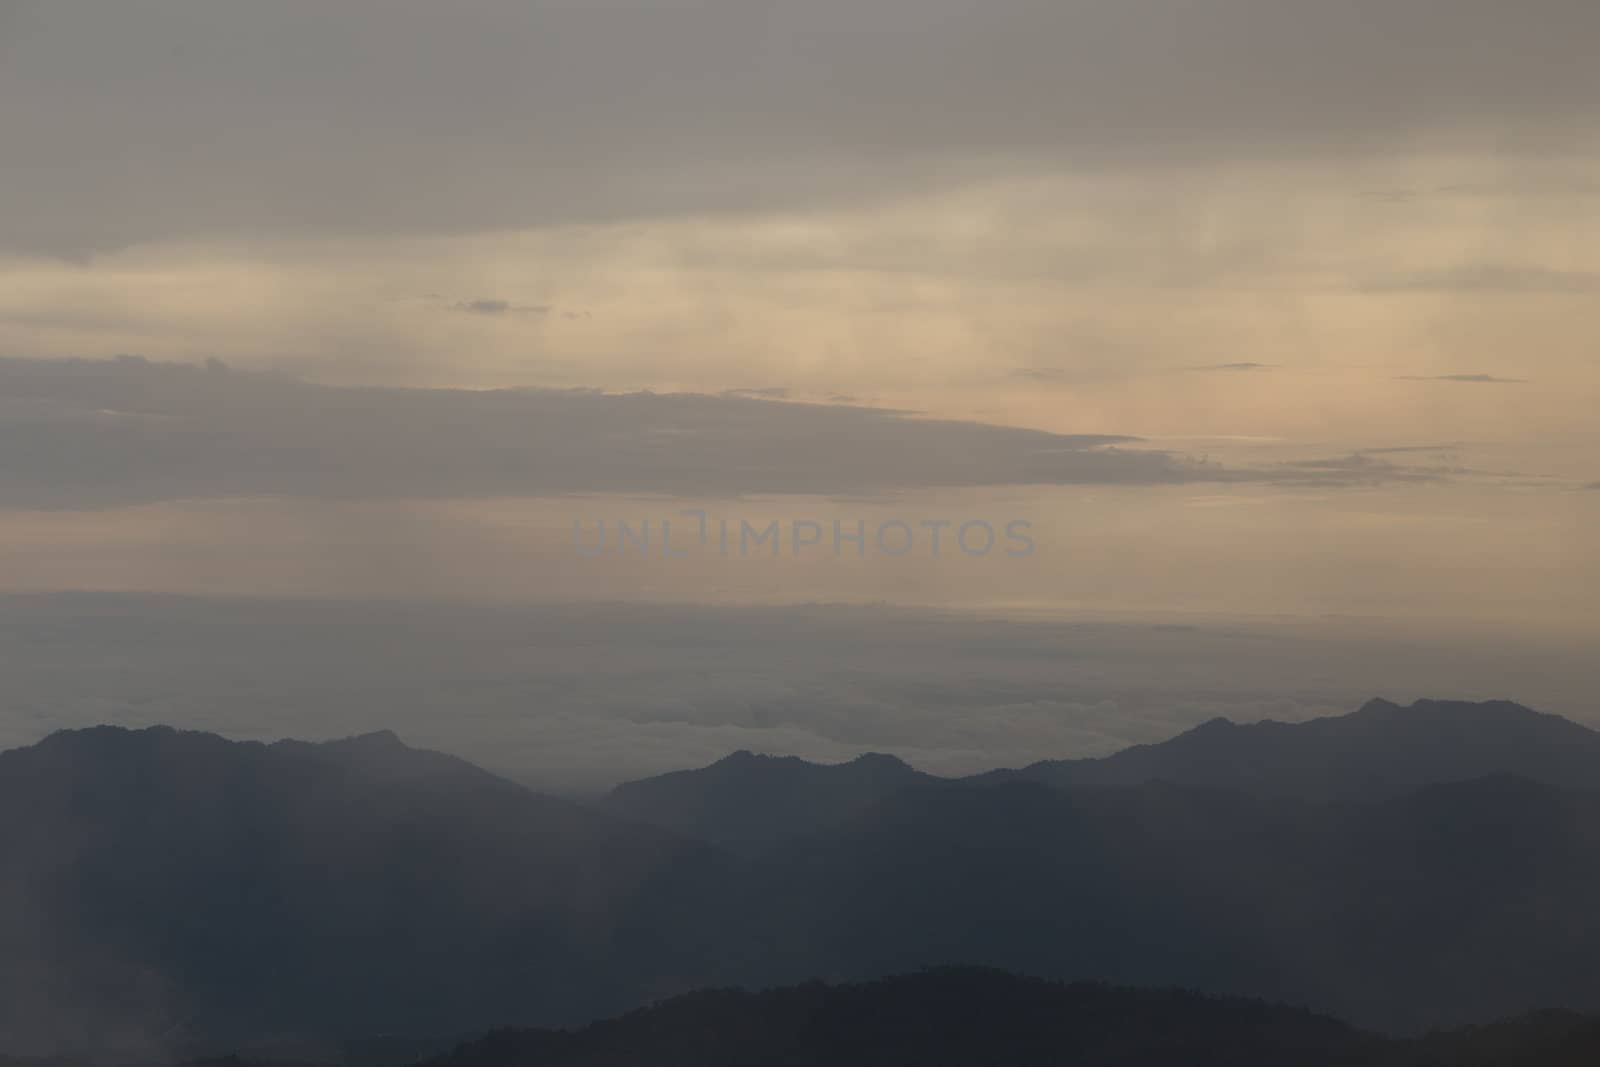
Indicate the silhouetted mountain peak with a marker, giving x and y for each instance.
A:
(1477, 710)
(746, 758)
(1498, 708)
(376, 739)
(744, 762)
(1372, 752)
(182, 759)
(96, 745)
(1218, 725)
(106, 736)
(745, 797)
(881, 761)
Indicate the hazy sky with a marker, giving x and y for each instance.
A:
(1244, 306)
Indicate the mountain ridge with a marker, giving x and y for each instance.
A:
(746, 799)
(160, 882)
(962, 1015)
(1376, 751)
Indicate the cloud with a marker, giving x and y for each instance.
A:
(1482, 379)
(1488, 278)
(1547, 188)
(500, 307)
(90, 434)
(377, 116)
(1400, 449)
(124, 431)
(771, 392)
(1057, 374)
(1360, 468)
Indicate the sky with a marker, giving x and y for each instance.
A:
(1242, 309)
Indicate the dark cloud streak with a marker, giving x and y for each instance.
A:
(500, 307)
(91, 434)
(1479, 379)
(1488, 278)
(126, 431)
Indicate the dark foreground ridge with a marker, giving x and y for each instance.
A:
(961, 1017)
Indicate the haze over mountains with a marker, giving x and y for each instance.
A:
(172, 891)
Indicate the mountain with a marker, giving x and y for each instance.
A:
(1376, 751)
(951, 1016)
(1452, 904)
(1379, 751)
(165, 890)
(746, 799)
(958, 1017)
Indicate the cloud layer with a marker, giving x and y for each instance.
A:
(127, 431)
(172, 119)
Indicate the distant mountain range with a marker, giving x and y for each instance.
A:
(1374, 753)
(1378, 751)
(164, 892)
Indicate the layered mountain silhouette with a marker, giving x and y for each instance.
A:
(164, 891)
(1371, 753)
(1376, 752)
